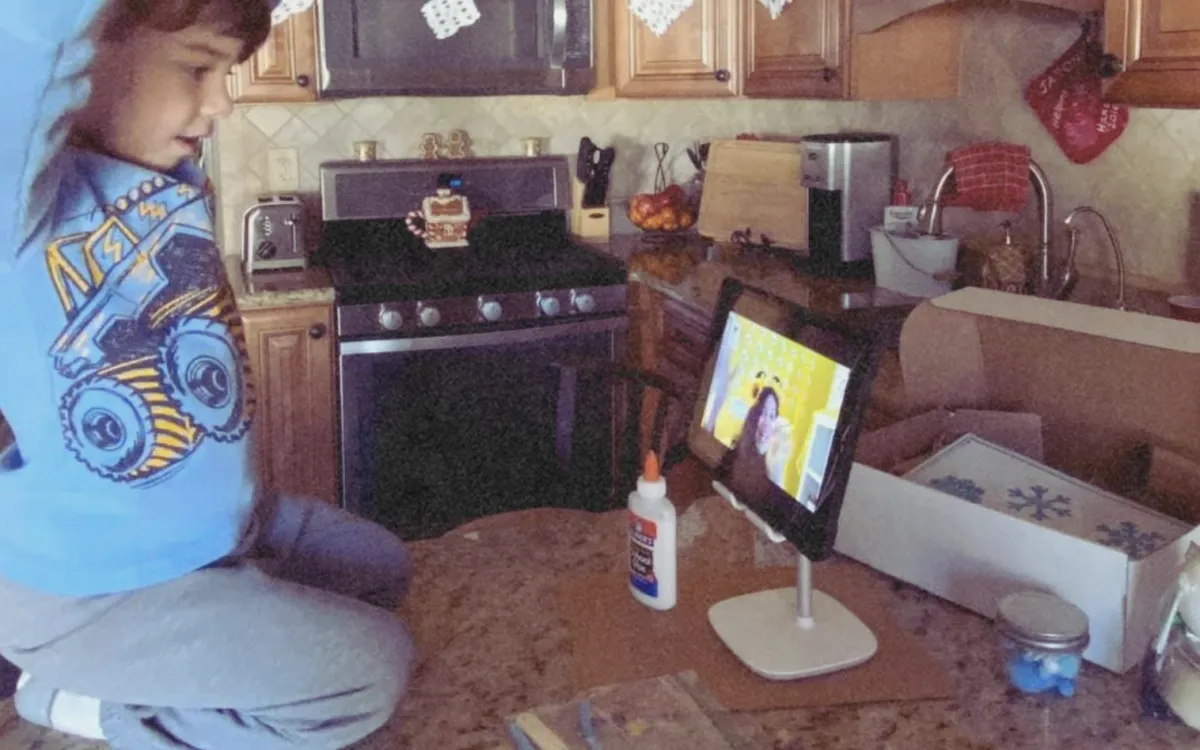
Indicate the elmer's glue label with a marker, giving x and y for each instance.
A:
(652, 579)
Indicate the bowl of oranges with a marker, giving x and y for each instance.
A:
(667, 212)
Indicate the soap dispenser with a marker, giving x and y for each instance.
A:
(1006, 265)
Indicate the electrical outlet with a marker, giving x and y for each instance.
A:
(283, 170)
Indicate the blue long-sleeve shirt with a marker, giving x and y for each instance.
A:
(122, 361)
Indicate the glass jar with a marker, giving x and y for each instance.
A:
(1043, 638)
(1176, 675)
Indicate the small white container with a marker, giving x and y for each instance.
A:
(652, 540)
(917, 265)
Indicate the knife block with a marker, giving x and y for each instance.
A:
(589, 223)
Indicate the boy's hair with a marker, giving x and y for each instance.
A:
(247, 20)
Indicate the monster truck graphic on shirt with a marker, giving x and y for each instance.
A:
(153, 345)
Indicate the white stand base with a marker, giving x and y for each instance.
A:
(764, 630)
(786, 634)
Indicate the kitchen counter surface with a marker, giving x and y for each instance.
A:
(483, 612)
(310, 286)
(492, 644)
(692, 270)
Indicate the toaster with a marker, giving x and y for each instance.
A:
(273, 232)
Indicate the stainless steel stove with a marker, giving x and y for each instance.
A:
(461, 390)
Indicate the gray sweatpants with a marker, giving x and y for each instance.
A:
(289, 643)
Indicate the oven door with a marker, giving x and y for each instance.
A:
(385, 47)
(436, 431)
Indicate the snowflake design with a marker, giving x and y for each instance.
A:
(1041, 505)
(960, 487)
(1126, 536)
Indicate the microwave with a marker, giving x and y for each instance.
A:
(386, 48)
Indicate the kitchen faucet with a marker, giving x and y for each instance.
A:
(1116, 248)
(1041, 188)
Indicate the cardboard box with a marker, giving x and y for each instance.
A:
(1104, 383)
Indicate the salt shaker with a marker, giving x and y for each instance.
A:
(1043, 638)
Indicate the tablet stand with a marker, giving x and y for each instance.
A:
(790, 633)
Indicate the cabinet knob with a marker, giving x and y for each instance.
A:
(829, 74)
(302, 81)
(317, 331)
(722, 75)
(1111, 66)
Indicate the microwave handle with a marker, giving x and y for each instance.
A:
(558, 39)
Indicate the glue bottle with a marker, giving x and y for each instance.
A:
(652, 579)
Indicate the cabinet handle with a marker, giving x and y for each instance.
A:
(317, 331)
(1111, 66)
(829, 74)
(302, 81)
(722, 75)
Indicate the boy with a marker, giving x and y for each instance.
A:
(153, 596)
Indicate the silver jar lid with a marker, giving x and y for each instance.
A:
(1043, 621)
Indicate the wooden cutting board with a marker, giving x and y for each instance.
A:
(755, 184)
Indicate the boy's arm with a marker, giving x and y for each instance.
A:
(44, 61)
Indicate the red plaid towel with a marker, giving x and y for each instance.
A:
(990, 177)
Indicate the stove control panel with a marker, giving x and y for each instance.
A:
(446, 314)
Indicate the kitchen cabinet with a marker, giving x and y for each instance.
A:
(284, 69)
(698, 56)
(729, 48)
(292, 359)
(1153, 52)
(800, 54)
(669, 338)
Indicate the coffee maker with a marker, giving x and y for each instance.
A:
(849, 177)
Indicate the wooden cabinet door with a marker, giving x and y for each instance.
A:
(284, 69)
(292, 358)
(803, 53)
(698, 56)
(1157, 43)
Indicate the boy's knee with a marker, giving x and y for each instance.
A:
(392, 653)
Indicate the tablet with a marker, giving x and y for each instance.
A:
(781, 404)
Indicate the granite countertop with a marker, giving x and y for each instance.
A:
(492, 644)
(309, 286)
(690, 270)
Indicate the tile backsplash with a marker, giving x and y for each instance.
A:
(1145, 183)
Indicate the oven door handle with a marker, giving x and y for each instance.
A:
(558, 38)
(487, 338)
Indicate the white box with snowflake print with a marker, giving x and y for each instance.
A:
(985, 474)
(975, 521)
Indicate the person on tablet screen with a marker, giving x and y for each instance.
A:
(762, 449)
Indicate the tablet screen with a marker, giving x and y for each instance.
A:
(775, 403)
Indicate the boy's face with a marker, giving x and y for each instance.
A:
(156, 94)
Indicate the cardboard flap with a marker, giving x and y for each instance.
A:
(941, 361)
(901, 445)
(1135, 328)
(1103, 381)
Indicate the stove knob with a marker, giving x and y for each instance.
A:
(390, 318)
(549, 306)
(584, 303)
(490, 310)
(430, 316)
